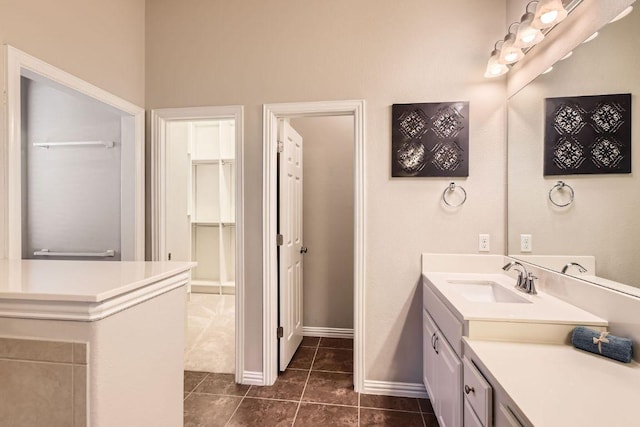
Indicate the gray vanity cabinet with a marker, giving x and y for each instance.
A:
(442, 368)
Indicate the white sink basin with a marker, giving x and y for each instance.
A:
(485, 291)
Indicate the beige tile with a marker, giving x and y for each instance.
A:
(36, 394)
(80, 353)
(44, 351)
(79, 396)
(210, 337)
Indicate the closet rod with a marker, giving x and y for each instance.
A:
(107, 144)
(47, 252)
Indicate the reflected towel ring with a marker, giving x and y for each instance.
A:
(561, 185)
(450, 189)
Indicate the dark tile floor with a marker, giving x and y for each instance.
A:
(316, 390)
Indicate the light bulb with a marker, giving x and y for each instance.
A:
(494, 67)
(549, 13)
(566, 56)
(527, 34)
(511, 57)
(591, 37)
(622, 14)
(549, 17)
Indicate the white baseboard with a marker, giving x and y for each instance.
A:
(315, 331)
(252, 378)
(388, 388)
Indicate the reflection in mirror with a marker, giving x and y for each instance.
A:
(600, 229)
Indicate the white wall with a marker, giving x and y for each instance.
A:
(100, 42)
(328, 183)
(250, 53)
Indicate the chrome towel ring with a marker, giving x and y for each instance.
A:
(450, 189)
(560, 186)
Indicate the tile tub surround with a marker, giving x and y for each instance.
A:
(128, 313)
(318, 392)
(43, 383)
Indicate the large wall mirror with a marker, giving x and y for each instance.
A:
(600, 229)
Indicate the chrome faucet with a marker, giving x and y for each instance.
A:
(525, 281)
(581, 269)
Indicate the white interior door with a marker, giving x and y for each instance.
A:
(290, 227)
(178, 171)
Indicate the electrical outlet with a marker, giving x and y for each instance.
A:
(484, 242)
(526, 243)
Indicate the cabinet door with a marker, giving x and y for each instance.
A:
(470, 418)
(449, 380)
(429, 356)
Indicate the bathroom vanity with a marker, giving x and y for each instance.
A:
(493, 356)
(106, 336)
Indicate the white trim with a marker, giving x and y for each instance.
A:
(84, 311)
(315, 331)
(397, 389)
(271, 114)
(17, 64)
(159, 119)
(252, 378)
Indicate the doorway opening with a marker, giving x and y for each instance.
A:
(197, 216)
(274, 116)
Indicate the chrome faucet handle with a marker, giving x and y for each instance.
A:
(530, 285)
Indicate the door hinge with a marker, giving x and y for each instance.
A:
(280, 332)
(169, 256)
(280, 240)
(280, 146)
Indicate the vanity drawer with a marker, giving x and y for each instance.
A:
(477, 392)
(446, 321)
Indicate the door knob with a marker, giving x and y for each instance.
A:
(468, 389)
(303, 250)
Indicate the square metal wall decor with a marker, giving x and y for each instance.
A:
(587, 135)
(430, 140)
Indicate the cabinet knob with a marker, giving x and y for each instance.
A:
(303, 250)
(468, 389)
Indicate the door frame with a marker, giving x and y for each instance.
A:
(159, 120)
(271, 114)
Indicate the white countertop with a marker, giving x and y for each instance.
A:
(558, 385)
(82, 290)
(544, 308)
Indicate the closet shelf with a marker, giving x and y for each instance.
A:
(211, 161)
(213, 223)
(106, 144)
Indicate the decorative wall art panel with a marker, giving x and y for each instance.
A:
(430, 139)
(587, 135)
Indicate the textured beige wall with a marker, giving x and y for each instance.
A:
(603, 221)
(248, 52)
(328, 220)
(101, 42)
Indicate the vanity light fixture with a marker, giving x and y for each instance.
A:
(591, 37)
(494, 67)
(509, 52)
(549, 13)
(622, 14)
(527, 34)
